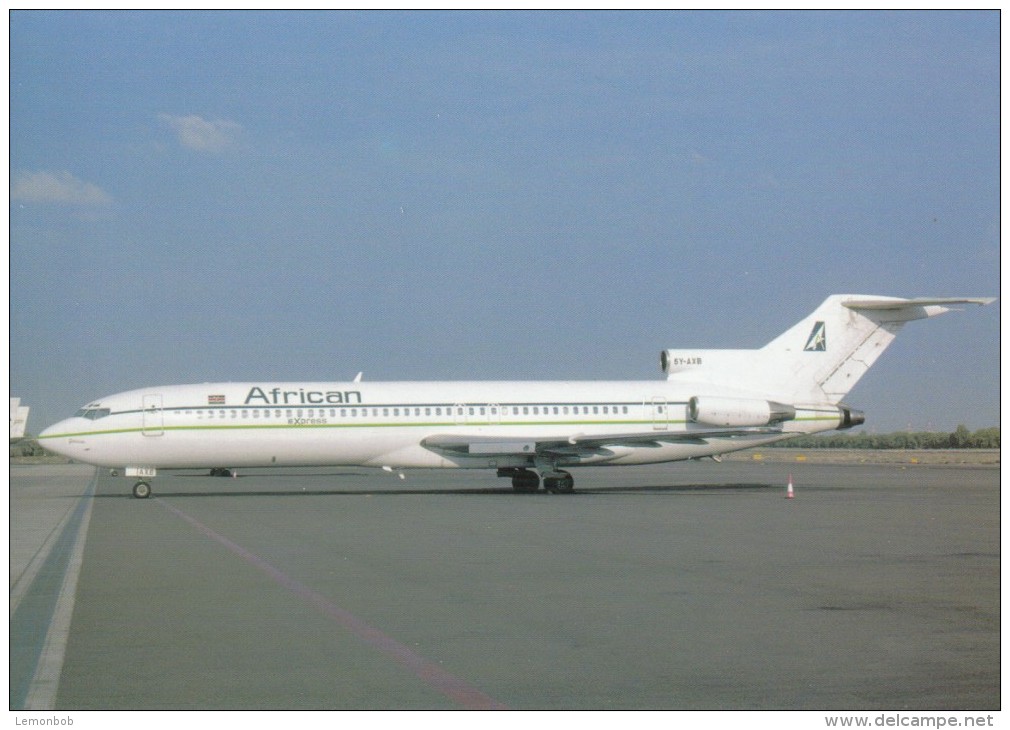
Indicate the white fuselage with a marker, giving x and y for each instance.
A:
(379, 424)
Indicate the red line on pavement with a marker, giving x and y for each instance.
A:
(456, 689)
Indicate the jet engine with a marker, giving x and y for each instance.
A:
(721, 411)
(850, 417)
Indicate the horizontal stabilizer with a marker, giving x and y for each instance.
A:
(908, 303)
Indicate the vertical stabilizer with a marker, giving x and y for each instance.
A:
(824, 356)
(820, 358)
(19, 419)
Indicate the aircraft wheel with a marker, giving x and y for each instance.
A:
(141, 490)
(566, 484)
(525, 482)
(563, 484)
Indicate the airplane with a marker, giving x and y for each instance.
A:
(712, 402)
(19, 420)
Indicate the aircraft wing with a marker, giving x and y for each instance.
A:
(575, 443)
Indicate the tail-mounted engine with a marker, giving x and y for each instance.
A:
(720, 411)
(850, 417)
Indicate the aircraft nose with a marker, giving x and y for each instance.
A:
(50, 438)
(51, 431)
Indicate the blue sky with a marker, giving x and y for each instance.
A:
(272, 196)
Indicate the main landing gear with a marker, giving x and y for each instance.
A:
(141, 490)
(526, 481)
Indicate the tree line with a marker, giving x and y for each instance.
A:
(27, 446)
(960, 438)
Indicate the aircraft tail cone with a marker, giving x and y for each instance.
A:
(789, 488)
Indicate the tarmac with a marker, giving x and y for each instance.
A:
(689, 586)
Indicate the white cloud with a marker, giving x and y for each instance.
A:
(197, 133)
(56, 187)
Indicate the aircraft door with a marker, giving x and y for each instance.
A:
(660, 414)
(154, 419)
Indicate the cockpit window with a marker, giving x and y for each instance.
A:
(93, 414)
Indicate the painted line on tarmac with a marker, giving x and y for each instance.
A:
(458, 690)
(40, 625)
(24, 581)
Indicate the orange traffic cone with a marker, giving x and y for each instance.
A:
(789, 488)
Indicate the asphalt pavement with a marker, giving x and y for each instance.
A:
(683, 586)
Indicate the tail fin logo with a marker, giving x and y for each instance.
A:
(817, 342)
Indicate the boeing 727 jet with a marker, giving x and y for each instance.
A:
(711, 402)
